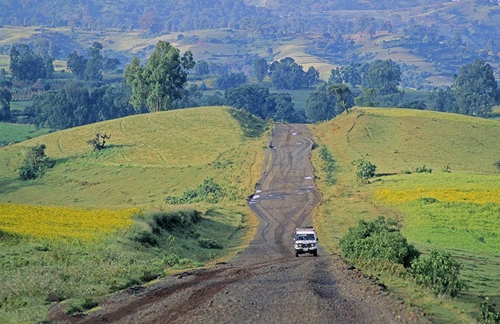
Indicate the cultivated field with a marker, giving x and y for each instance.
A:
(455, 207)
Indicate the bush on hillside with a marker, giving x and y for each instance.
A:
(35, 163)
(145, 238)
(159, 222)
(378, 240)
(423, 169)
(251, 125)
(488, 314)
(329, 165)
(98, 141)
(207, 243)
(176, 219)
(439, 272)
(209, 191)
(366, 169)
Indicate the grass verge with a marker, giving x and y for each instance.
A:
(39, 271)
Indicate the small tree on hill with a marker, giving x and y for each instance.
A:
(98, 141)
(35, 163)
(366, 169)
(343, 94)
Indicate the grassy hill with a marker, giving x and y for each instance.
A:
(108, 208)
(152, 156)
(147, 158)
(463, 188)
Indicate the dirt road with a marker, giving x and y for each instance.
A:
(266, 283)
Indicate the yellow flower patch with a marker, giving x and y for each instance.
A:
(442, 195)
(62, 223)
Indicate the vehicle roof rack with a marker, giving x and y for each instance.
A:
(305, 228)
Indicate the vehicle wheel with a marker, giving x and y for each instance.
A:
(296, 254)
(315, 253)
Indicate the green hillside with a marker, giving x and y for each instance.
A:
(401, 139)
(108, 208)
(463, 189)
(147, 158)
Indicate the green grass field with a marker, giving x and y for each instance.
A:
(151, 156)
(455, 207)
(147, 158)
(12, 133)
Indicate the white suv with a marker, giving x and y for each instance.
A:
(305, 241)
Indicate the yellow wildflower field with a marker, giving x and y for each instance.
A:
(442, 195)
(63, 223)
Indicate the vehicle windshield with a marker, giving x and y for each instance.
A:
(304, 237)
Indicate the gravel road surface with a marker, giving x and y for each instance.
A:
(265, 283)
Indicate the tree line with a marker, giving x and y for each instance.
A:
(474, 92)
(163, 83)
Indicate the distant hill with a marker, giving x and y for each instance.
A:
(147, 158)
(433, 39)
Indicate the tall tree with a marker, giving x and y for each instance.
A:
(380, 85)
(133, 77)
(442, 99)
(253, 99)
(476, 90)
(260, 68)
(74, 105)
(230, 80)
(77, 64)
(384, 77)
(285, 112)
(353, 73)
(287, 74)
(311, 76)
(93, 68)
(161, 80)
(343, 94)
(5, 98)
(201, 68)
(26, 65)
(321, 105)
